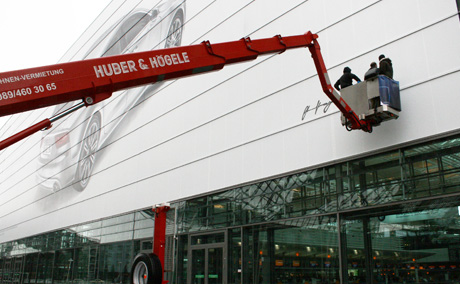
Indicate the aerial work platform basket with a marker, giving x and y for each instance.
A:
(376, 99)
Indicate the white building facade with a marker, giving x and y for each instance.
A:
(265, 184)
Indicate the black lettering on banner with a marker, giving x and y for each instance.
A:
(324, 106)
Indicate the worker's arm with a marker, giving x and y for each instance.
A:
(337, 85)
(356, 78)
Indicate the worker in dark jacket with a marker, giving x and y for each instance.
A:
(372, 72)
(385, 68)
(346, 79)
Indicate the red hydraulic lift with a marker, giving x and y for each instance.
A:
(92, 81)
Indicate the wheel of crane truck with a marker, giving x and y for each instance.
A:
(146, 269)
(88, 148)
(174, 37)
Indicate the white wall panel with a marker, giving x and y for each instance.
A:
(244, 123)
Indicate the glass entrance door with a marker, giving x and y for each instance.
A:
(206, 259)
(215, 265)
(207, 265)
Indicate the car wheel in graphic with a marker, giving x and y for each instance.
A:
(88, 149)
(146, 269)
(174, 37)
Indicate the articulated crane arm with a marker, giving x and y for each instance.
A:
(95, 80)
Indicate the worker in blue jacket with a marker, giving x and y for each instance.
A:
(346, 79)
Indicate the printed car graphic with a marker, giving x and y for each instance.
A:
(68, 150)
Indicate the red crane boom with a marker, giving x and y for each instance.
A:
(95, 80)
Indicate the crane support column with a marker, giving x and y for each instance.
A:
(159, 237)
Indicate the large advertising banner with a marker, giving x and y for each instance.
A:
(176, 139)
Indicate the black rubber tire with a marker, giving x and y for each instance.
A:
(146, 269)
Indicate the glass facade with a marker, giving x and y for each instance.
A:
(97, 251)
(392, 217)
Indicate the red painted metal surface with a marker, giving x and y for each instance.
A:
(26, 132)
(350, 115)
(159, 236)
(34, 88)
(95, 80)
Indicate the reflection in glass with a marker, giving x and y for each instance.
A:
(421, 246)
(298, 251)
(198, 267)
(418, 247)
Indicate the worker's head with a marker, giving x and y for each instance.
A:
(373, 65)
(381, 56)
(346, 70)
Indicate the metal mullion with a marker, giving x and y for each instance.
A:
(402, 164)
(441, 173)
(206, 266)
(37, 267)
(343, 274)
(427, 176)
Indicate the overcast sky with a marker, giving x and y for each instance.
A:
(39, 32)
